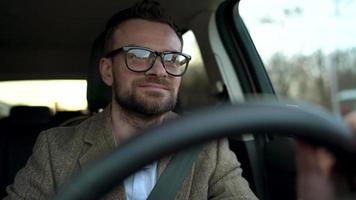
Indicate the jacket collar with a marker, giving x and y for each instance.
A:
(98, 135)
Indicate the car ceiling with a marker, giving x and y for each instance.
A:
(52, 39)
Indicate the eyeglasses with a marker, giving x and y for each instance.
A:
(140, 59)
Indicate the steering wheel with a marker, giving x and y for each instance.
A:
(304, 122)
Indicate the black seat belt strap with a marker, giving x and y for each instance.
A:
(173, 176)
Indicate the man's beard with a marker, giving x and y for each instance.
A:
(148, 103)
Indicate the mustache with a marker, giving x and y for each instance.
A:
(152, 79)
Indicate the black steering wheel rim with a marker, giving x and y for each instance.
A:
(304, 122)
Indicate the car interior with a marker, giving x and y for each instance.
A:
(47, 40)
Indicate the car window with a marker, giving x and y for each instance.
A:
(195, 91)
(58, 95)
(307, 47)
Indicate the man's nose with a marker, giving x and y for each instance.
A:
(157, 68)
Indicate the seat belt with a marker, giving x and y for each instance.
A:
(172, 177)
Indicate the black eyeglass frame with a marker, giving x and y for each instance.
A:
(156, 53)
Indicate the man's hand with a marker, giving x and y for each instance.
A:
(315, 170)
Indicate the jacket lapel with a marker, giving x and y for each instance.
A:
(98, 139)
(98, 142)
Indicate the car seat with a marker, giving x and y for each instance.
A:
(18, 134)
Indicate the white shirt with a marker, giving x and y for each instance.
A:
(139, 185)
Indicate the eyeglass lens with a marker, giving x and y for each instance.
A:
(141, 60)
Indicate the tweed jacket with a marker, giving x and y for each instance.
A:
(59, 153)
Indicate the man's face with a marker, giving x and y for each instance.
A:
(146, 93)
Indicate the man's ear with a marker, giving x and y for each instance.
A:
(106, 71)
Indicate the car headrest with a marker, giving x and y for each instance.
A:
(30, 114)
(98, 93)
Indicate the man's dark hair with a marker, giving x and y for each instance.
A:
(146, 9)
